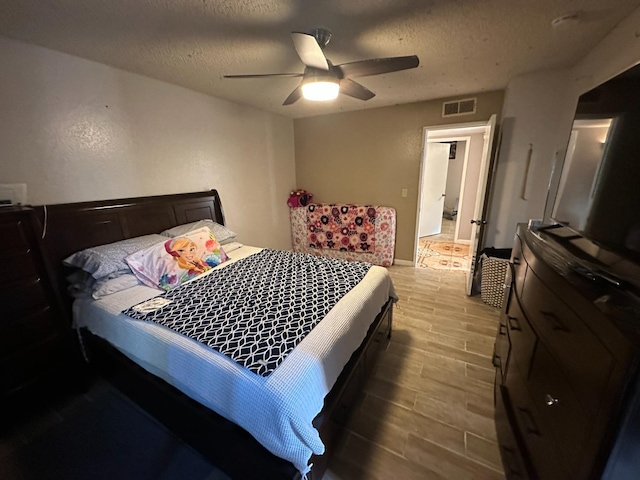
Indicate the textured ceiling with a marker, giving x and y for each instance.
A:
(464, 46)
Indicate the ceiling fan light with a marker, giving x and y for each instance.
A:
(320, 90)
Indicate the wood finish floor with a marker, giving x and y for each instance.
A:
(427, 410)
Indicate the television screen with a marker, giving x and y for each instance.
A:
(599, 190)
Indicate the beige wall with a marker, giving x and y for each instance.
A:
(538, 111)
(76, 130)
(370, 156)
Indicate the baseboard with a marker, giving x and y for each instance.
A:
(404, 263)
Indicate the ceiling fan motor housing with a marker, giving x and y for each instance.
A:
(322, 36)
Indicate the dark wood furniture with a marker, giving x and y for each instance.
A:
(72, 227)
(34, 332)
(566, 357)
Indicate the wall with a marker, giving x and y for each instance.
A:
(370, 156)
(538, 110)
(76, 130)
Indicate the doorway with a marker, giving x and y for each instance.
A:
(440, 243)
(452, 195)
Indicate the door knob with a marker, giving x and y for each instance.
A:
(479, 222)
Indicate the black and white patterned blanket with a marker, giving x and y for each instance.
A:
(259, 308)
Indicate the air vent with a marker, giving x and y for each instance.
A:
(466, 106)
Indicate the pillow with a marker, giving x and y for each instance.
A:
(222, 233)
(169, 264)
(80, 290)
(107, 286)
(232, 247)
(106, 259)
(83, 285)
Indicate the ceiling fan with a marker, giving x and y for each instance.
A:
(322, 80)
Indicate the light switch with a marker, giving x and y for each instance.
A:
(404, 192)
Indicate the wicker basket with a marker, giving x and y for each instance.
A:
(494, 272)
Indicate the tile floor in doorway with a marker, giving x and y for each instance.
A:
(439, 252)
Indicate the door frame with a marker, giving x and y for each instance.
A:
(437, 133)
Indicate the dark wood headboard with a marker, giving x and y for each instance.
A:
(72, 227)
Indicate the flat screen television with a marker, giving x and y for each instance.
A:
(599, 190)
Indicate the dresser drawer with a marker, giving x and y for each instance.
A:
(583, 359)
(28, 331)
(21, 299)
(522, 337)
(518, 267)
(541, 449)
(14, 235)
(512, 457)
(20, 263)
(558, 408)
(501, 349)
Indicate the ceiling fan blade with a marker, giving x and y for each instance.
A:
(264, 75)
(355, 90)
(377, 66)
(294, 96)
(309, 50)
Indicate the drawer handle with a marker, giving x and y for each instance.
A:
(502, 330)
(550, 401)
(514, 323)
(530, 423)
(495, 361)
(556, 323)
(516, 260)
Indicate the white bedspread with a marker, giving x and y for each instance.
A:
(277, 410)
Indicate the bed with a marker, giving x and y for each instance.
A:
(250, 426)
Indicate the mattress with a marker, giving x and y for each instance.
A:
(277, 410)
(385, 238)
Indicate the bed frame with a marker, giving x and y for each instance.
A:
(69, 228)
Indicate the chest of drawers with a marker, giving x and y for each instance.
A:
(566, 358)
(34, 333)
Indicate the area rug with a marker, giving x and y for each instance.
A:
(447, 256)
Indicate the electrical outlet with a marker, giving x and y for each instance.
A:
(405, 192)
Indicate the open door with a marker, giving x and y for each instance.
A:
(433, 186)
(478, 221)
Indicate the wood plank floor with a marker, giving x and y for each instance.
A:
(427, 410)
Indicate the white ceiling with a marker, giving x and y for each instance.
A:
(464, 46)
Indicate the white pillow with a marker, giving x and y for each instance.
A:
(232, 246)
(223, 234)
(107, 286)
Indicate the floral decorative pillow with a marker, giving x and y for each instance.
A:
(177, 260)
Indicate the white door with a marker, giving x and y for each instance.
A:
(478, 221)
(434, 183)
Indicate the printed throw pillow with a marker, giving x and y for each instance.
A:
(169, 264)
